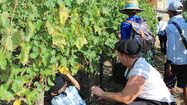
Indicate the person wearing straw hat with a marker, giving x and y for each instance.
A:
(145, 85)
(131, 8)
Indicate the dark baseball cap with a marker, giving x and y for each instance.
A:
(129, 46)
(59, 82)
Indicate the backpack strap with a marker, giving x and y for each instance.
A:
(141, 33)
(132, 35)
(142, 20)
(181, 34)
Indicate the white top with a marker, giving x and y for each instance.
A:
(161, 26)
(154, 87)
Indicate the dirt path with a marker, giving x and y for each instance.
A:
(159, 60)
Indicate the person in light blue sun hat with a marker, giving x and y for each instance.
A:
(131, 8)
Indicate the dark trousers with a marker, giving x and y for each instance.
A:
(170, 81)
(181, 73)
(163, 39)
(179, 76)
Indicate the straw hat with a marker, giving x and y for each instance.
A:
(131, 5)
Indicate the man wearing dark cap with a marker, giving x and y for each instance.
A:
(144, 86)
(63, 94)
(176, 51)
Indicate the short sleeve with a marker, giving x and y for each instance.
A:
(141, 68)
(139, 72)
(125, 29)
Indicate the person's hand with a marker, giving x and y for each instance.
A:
(97, 91)
(142, 33)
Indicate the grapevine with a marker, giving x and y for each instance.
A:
(41, 37)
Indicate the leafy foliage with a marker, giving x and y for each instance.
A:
(39, 36)
(185, 16)
(149, 15)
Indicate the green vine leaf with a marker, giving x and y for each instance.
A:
(3, 60)
(2, 1)
(17, 85)
(7, 43)
(79, 1)
(59, 41)
(80, 42)
(44, 55)
(17, 38)
(50, 27)
(63, 14)
(68, 2)
(25, 48)
(4, 19)
(5, 94)
(49, 81)
(49, 3)
(30, 29)
(31, 96)
(39, 36)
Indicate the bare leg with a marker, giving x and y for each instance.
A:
(185, 95)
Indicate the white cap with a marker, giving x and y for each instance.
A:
(175, 6)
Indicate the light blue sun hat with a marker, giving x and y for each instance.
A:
(131, 5)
